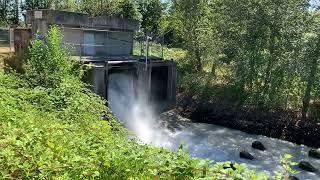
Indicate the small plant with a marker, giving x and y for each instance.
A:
(287, 164)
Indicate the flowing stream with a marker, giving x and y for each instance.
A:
(200, 140)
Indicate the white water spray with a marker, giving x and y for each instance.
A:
(135, 111)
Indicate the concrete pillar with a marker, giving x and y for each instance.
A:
(39, 25)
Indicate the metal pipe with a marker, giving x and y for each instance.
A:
(172, 73)
(146, 53)
(101, 30)
(107, 44)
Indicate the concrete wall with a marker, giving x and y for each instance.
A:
(73, 37)
(73, 19)
(144, 83)
(96, 76)
(120, 43)
(22, 37)
(106, 36)
(164, 71)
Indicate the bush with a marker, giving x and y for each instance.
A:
(49, 63)
(16, 62)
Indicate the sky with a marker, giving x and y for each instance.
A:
(315, 2)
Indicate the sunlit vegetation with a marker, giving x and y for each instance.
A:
(158, 50)
(266, 57)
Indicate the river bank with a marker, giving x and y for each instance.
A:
(276, 124)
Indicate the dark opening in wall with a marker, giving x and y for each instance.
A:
(123, 80)
(159, 84)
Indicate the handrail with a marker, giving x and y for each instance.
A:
(88, 29)
(93, 45)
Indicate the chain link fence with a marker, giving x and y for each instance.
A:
(150, 46)
(6, 40)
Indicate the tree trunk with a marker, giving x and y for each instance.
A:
(272, 59)
(287, 95)
(307, 94)
(198, 60)
(252, 72)
(213, 69)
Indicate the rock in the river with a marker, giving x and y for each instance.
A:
(246, 155)
(258, 145)
(315, 153)
(231, 166)
(304, 165)
(293, 178)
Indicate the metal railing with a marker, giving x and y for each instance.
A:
(147, 45)
(150, 46)
(97, 50)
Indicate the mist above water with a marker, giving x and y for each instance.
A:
(201, 140)
(134, 110)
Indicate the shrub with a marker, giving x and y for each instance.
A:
(49, 62)
(16, 62)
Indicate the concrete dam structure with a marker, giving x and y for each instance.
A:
(105, 44)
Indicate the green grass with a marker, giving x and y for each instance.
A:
(155, 50)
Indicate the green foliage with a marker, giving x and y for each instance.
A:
(287, 166)
(123, 8)
(49, 63)
(120, 8)
(266, 56)
(155, 50)
(262, 45)
(151, 12)
(190, 20)
(8, 12)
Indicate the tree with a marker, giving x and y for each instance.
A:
(312, 57)
(151, 11)
(4, 5)
(121, 8)
(37, 4)
(9, 12)
(192, 21)
(261, 41)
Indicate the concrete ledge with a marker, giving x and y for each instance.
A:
(74, 19)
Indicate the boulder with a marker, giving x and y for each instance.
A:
(315, 153)
(304, 165)
(258, 145)
(231, 166)
(246, 155)
(293, 178)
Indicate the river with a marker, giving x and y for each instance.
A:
(201, 140)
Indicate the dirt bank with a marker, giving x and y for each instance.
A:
(279, 124)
